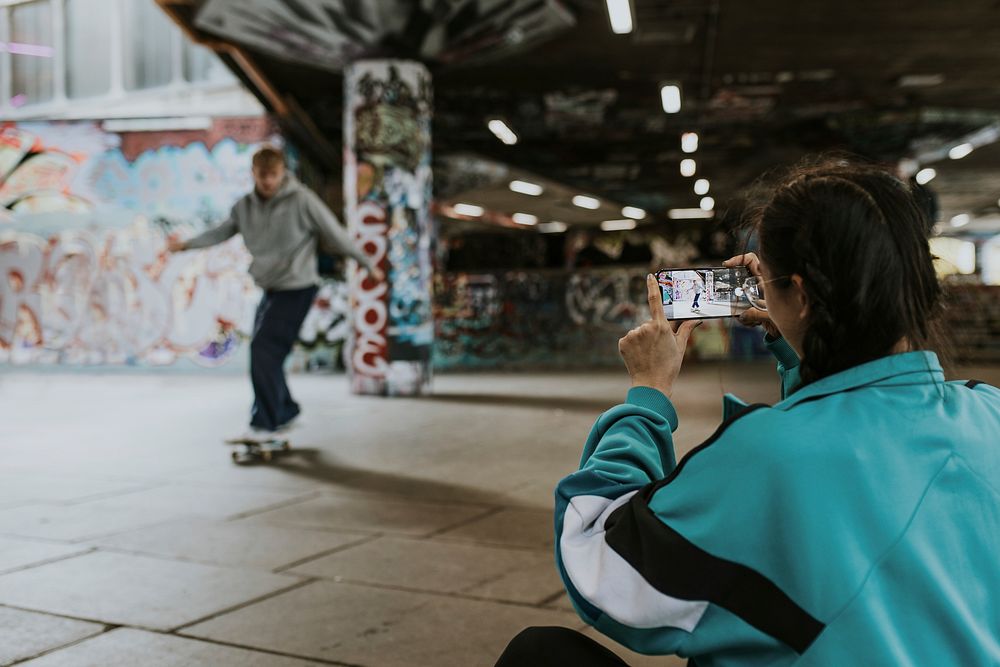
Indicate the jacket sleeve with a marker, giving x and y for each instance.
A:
(222, 232)
(332, 235)
(629, 573)
(788, 364)
(629, 448)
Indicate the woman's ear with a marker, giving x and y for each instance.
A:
(799, 296)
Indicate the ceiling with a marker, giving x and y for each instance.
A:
(764, 83)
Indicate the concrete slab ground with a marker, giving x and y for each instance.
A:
(396, 532)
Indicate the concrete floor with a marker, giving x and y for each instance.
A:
(400, 532)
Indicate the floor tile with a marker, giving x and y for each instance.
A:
(71, 523)
(24, 634)
(511, 526)
(447, 567)
(378, 627)
(126, 647)
(16, 553)
(371, 513)
(197, 500)
(230, 543)
(135, 590)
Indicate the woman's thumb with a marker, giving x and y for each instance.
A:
(684, 332)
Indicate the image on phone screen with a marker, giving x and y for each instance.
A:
(702, 293)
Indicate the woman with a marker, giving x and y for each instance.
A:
(855, 522)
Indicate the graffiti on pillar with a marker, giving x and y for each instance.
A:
(387, 182)
(84, 276)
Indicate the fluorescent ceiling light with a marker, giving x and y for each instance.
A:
(525, 219)
(926, 175)
(960, 151)
(701, 186)
(688, 213)
(502, 132)
(583, 201)
(552, 227)
(688, 167)
(620, 13)
(633, 212)
(470, 210)
(707, 204)
(670, 95)
(961, 220)
(617, 225)
(526, 188)
(689, 142)
(920, 80)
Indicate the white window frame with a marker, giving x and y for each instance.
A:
(62, 106)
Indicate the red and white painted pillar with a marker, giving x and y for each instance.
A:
(387, 192)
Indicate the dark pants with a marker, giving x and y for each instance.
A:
(276, 327)
(694, 304)
(556, 647)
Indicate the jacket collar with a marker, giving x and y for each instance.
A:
(920, 367)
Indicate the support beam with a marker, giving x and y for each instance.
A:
(387, 192)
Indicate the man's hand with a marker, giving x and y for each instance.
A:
(654, 351)
(753, 317)
(174, 244)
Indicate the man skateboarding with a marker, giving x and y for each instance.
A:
(282, 223)
(698, 289)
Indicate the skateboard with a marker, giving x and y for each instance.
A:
(257, 449)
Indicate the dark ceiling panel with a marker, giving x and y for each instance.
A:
(764, 83)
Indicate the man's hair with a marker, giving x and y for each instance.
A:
(268, 157)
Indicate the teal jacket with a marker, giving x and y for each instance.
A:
(856, 522)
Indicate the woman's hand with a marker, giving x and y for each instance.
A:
(753, 317)
(653, 352)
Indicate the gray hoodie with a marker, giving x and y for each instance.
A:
(282, 234)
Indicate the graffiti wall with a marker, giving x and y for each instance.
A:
(84, 214)
(387, 186)
(556, 319)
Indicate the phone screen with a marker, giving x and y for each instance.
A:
(701, 293)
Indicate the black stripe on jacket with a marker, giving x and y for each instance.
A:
(678, 568)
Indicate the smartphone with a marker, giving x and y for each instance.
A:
(703, 293)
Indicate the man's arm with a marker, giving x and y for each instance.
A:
(223, 232)
(332, 234)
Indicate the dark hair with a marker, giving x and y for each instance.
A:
(268, 157)
(857, 236)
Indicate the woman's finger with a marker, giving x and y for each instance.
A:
(747, 259)
(753, 316)
(684, 332)
(655, 299)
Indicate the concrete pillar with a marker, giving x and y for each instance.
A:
(387, 193)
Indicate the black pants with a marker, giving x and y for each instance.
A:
(556, 647)
(276, 327)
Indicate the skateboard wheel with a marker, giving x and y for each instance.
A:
(235, 457)
(265, 455)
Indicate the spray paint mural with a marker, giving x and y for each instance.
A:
(556, 319)
(84, 215)
(387, 186)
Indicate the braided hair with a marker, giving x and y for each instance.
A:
(856, 235)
